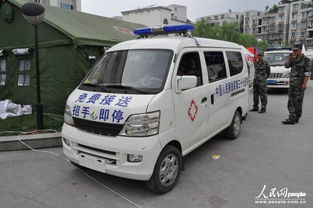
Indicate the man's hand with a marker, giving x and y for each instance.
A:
(304, 84)
(303, 87)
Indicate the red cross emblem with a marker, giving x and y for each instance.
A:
(193, 110)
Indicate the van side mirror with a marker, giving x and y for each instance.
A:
(185, 83)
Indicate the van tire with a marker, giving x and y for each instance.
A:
(233, 131)
(156, 184)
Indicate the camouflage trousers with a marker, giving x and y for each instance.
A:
(295, 102)
(259, 92)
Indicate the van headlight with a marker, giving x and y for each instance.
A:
(286, 75)
(68, 119)
(142, 125)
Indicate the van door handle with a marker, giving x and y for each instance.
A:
(212, 99)
(204, 100)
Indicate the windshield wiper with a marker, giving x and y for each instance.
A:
(125, 87)
(95, 86)
(90, 85)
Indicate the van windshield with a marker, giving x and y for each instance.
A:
(276, 59)
(130, 71)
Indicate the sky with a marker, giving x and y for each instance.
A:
(195, 8)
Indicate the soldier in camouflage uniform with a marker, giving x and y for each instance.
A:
(262, 72)
(299, 76)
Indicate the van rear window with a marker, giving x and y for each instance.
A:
(235, 62)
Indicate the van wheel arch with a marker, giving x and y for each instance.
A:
(176, 144)
(172, 149)
(233, 131)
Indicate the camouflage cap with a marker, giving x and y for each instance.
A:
(297, 47)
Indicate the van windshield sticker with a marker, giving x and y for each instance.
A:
(81, 98)
(94, 98)
(115, 116)
(85, 111)
(123, 101)
(108, 99)
(104, 114)
(232, 86)
(76, 111)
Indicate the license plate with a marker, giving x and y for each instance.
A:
(271, 82)
(92, 162)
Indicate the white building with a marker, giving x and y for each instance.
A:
(65, 4)
(157, 15)
(219, 19)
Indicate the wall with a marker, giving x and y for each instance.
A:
(150, 17)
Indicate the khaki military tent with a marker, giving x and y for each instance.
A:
(70, 42)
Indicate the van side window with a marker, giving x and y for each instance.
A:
(235, 62)
(190, 65)
(215, 65)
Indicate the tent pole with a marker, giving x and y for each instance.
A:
(39, 104)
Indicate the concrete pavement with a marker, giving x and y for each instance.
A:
(267, 153)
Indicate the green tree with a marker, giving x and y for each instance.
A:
(274, 9)
(228, 32)
(266, 8)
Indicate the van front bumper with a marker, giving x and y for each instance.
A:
(110, 154)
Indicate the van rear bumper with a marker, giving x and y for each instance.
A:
(87, 149)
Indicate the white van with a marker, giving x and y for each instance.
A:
(149, 102)
(279, 77)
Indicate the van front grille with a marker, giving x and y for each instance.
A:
(106, 129)
(276, 75)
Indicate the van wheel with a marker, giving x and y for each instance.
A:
(233, 131)
(166, 171)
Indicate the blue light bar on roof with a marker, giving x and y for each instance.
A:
(164, 30)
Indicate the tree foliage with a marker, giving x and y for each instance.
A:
(274, 9)
(228, 32)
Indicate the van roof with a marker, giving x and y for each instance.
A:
(173, 43)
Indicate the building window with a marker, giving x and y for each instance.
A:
(235, 62)
(24, 72)
(295, 6)
(165, 21)
(215, 64)
(2, 72)
(302, 35)
(69, 4)
(46, 2)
